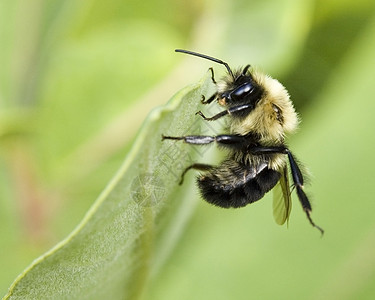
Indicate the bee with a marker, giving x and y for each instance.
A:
(259, 114)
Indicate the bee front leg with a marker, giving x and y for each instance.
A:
(209, 100)
(215, 117)
(212, 75)
(214, 96)
(234, 110)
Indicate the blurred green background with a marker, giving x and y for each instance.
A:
(77, 78)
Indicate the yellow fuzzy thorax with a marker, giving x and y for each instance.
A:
(274, 115)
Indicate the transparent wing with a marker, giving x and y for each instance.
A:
(282, 202)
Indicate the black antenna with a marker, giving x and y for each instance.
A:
(207, 57)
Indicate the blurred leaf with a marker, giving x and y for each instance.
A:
(268, 34)
(16, 122)
(133, 223)
(326, 45)
(78, 72)
(99, 75)
(95, 13)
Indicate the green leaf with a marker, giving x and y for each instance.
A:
(135, 222)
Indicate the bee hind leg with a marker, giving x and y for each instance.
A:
(298, 184)
(196, 166)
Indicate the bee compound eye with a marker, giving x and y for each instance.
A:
(242, 91)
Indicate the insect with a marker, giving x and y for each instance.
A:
(259, 114)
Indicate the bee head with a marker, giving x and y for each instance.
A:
(240, 89)
(269, 111)
(237, 88)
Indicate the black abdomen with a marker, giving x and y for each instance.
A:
(235, 185)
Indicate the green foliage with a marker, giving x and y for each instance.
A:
(124, 235)
(77, 79)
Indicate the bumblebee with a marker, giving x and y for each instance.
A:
(259, 114)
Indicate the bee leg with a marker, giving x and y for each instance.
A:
(234, 110)
(268, 150)
(212, 75)
(209, 100)
(215, 117)
(191, 139)
(214, 96)
(298, 183)
(296, 175)
(197, 166)
(229, 141)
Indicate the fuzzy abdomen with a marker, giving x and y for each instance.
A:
(233, 184)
